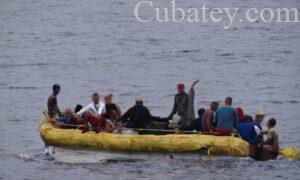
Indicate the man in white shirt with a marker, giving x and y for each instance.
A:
(259, 117)
(93, 112)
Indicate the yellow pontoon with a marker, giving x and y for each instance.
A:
(170, 143)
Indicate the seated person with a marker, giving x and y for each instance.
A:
(92, 114)
(138, 116)
(112, 124)
(109, 106)
(197, 123)
(68, 117)
(226, 118)
(240, 114)
(77, 108)
(271, 143)
(208, 117)
(269, 149)
(52, 120)
(247, 132)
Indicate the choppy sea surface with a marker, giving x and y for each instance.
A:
(98, 46)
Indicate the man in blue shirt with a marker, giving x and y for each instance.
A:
(226, 118)
(247, 132)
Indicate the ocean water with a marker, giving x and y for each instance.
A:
(98, 46)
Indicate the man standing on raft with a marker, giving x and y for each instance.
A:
(183, 108)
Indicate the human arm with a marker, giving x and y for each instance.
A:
(101, 110)
(79, 113)
(118, 110)
(194, 83)
(174, 109)
(52, 120)
(55, 121)
(125, 116)
(159, 119)
(109, 127)
(263, 131)
(191, 110)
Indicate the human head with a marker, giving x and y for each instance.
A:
(228, 101)
(180, 87)
(214, 106)
(139, 101)
(240, 113)
(201, 111)
(260, 115)
(271, 123)
(113, 114)
(95, 98)
(78, 107)
(108, 98)
(68, 112)
(56, 89)
(248, 118)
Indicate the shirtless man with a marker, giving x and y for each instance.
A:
(52, 101)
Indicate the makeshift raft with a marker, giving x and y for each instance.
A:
(170, 143)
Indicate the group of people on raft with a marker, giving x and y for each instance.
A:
(219, 119)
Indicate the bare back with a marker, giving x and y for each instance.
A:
(52, 104)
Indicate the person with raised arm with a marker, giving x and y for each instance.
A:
(183, 108)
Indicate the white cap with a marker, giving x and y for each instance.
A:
(260, 112)
(139, 99)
